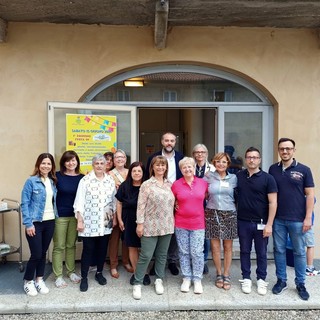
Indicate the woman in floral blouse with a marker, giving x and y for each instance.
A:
(155, 224)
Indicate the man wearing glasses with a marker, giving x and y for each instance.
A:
(257, 204)
(293, 217)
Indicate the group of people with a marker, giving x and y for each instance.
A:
(172, 211)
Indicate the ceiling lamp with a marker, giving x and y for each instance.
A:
(133, 83)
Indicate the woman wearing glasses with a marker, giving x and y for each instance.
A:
(221, 217)
(200, 156)
(119, 174)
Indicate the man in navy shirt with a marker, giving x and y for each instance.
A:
(257, 204)
(293, 217)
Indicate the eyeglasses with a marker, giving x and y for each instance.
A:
(252, 158)
(285, 149)
(200, 152)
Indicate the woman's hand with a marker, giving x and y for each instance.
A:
(139, 230)
(121, 225)
(31, 231)
(80, 225)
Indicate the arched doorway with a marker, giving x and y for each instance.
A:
(200, 104)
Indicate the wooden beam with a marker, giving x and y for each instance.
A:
(161, 23)
(3, 30)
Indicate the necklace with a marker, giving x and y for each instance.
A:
(200, 171)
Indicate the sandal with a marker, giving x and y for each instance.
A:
(128, 268)
(114, 273)
(219, 281)
(60, 283)
(226, 282)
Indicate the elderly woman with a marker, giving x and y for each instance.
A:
(94, 209)
(190, 193)
(221, 217)
(200, 156)
(119, 174)
(155, 224)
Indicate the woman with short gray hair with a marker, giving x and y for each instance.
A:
(95, 205)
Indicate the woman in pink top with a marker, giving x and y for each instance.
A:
(190, 192)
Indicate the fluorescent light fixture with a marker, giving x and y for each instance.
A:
(133, 83)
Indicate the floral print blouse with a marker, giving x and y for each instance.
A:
(155, 208)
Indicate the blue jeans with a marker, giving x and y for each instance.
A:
(281, 229)
(248, 233)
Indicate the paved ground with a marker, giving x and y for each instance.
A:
(117, 295)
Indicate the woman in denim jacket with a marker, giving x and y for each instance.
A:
(38, 206)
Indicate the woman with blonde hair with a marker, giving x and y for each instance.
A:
(119, 174)
(190, 193)
(200, 156)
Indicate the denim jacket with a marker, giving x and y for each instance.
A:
(33, 199)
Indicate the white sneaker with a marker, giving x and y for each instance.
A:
(136, 293)
(30, 289)
(159, 286)
(185, 286)
(197, 287)
(74, 278)
(41, 287)
(246, 285)
(262, 287)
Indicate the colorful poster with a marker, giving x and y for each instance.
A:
(89, 135)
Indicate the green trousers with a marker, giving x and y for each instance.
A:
(64, 245)
(152, 246)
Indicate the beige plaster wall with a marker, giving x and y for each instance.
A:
(48, 62)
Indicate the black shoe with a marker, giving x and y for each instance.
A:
(100, 278)
(205, 269)
(152, 272)
(84, 285)
(302, 292)
(146, 280)
(279, 287)
(132, 280)
(173, 269)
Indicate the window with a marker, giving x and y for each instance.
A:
(123, 95)
(222, 95)
(169, 96)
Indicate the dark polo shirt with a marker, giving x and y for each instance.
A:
(252, 195)
(291, 183)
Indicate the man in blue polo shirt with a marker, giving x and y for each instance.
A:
(293, 217)
(257, 204)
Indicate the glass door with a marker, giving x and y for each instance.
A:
(241, 127)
